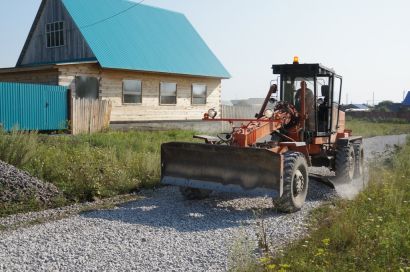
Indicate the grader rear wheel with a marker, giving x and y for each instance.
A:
(359, 160)
(345, 163)
(295, 183)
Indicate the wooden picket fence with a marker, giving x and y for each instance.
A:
(89, 115)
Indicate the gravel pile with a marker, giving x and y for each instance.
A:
(161, 232)
(17, 185)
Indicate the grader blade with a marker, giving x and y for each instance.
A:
(221, 168)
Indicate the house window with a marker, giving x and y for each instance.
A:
(132, 91)
(55, 34)
(87, 87)
(198, 94)
(168, 93)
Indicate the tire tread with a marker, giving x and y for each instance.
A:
(285, 203)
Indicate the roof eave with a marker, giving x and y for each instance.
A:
(168, 73)
(7, 70)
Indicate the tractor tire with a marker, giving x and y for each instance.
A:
(295, 183)
(359, 160)
(345, 163)
(193, 193)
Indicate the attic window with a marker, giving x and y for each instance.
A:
(55, 34)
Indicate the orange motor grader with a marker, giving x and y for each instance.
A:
(299, 125)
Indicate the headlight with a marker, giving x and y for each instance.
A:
(268, 113)
(212, 113)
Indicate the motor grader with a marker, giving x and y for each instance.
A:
(299, 125)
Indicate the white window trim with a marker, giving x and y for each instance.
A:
(192, 94)
(176, 94)
(122, 91)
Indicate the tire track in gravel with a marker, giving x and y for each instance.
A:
(161, 232)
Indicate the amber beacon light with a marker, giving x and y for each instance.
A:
(295, 60)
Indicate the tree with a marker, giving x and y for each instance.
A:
(384, 106)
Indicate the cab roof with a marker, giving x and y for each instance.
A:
(305, 69)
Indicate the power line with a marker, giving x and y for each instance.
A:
(97, 22)
(115, 15)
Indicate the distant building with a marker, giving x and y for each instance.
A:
(226, 102)
(406, 101)
(395, 107)
(248, 102)
(355, 107)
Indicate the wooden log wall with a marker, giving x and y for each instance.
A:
(111, 82)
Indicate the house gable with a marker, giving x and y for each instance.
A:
(406, 101)
(35, 50)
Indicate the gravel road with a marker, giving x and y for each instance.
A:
(161, 232)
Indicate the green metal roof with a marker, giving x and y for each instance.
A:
(143, 38)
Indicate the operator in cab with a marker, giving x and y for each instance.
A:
(309, 104)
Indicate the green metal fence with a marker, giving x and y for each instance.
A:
(33, 107)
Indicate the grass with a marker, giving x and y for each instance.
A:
(30, 204)
(370, 128)
(370, 233)
(103, 165)
(87, 167)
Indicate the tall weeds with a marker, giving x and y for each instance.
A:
(17, 148)
(86, 167)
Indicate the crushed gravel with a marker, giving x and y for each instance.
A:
(161, 232)
(17, 185)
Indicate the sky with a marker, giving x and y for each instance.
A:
(366, 41)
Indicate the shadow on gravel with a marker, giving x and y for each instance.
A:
(166, 207)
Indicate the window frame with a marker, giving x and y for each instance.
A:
(56, 34)
(192, 94)
(123, 93)
(87, 79)
(176, 93)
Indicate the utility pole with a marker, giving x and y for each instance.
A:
(373, 99)
(347, 98)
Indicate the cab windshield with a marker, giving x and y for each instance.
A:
(291, 85)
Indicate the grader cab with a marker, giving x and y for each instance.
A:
(298, 126)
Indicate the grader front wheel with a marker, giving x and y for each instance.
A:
(295, 183)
